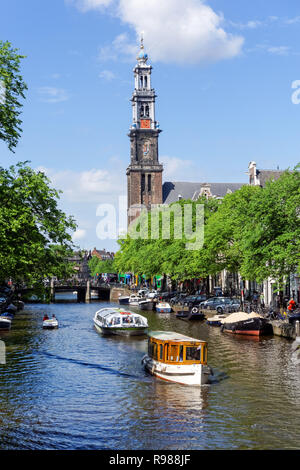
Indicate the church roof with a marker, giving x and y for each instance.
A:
(172, 191)
(265, 175)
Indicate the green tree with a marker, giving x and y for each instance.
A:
(98, 266)
(12, 88)
(35, 235)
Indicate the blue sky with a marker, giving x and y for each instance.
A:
(223, 73)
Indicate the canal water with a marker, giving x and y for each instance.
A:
(73, 388)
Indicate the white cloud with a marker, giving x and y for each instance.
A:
(52, 95)
(174, 31)
(279, 50)
(107, 75)
(87, 5)
(79, 234)
(92, 186)
(177, 169)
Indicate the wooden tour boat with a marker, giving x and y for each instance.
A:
(115, 321)
(177, 358)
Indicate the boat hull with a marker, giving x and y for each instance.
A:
(123, 300)
(121, 331)
(5, 324)
(251, 327)
(146, 305)
(193, 375)
(50, 325)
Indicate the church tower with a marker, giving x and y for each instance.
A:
(144, 174)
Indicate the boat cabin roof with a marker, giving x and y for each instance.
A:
(172, 336)
(107, 312)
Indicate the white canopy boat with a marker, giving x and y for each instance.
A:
(177, 358)
(50, 324)
(115, 321)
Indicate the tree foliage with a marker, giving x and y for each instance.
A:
(254, 231)
(35, 235)
(98, 266)
(12, 88)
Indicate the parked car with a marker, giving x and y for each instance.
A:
(213, 302)
(177, 299)
(228, 306)
(194, 300)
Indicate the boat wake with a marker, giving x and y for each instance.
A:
(91, 365)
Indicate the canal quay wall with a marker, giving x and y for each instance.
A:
(115, 292)
(284, 329)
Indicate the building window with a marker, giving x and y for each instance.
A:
(143, 184)
(149, 183)
(147, 111)
(145, 82)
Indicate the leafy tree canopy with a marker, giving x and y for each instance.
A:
(12, 88)
(35, 235)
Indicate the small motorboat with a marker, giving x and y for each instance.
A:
(146, 304)
(196, 315)
(182, 314)
(163, 307)
(215, 320)
(5, 324)
(134, 300)
(123, 299)
(8, 315)
(243, 323)
(11, 308)
(115, 321)
(50, 324)
(177, 358)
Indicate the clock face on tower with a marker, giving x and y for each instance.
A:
(145, 123)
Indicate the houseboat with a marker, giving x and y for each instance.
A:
(242, 323)
(115, 321)
(177, 358)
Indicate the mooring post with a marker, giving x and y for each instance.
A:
(298, 329)
(88, 292)
(52, 290)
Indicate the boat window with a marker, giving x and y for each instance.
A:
(152, 350)
(161, 349)
(181, 354)
(116, 321)
(193, 353)
(173, 353)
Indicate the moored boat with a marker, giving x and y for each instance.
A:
(5, 324)
(116, 321)
(177, 358)
(215, 320)
(134, 300)
(123, 299)
(146, 304)
(163, 307)
(243, 323)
